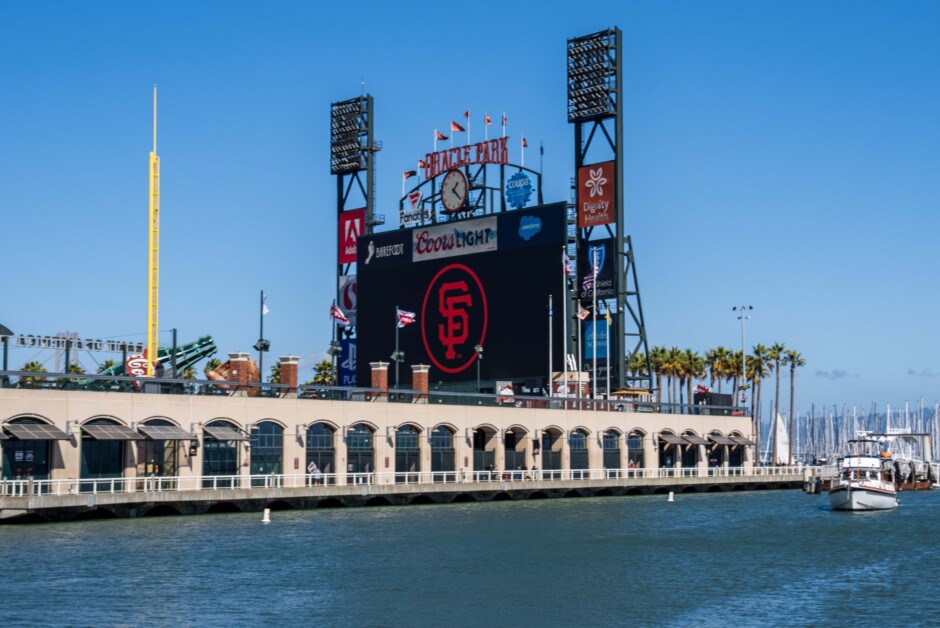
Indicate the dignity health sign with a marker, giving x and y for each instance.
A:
(596, 194)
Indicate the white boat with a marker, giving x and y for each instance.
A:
(866, 480)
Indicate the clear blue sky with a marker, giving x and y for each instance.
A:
(782, 155)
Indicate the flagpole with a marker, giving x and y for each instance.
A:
(522, 148)
(549, 344)
(486, 133)
(608, 351)
(579, 358)
(564, 313)
(504, 124)
(397, 326)
(468, 126)
(594, 328)
(435, 140)
(403, 185)
(333, 345)
(261, 344)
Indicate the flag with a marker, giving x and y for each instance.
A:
(467, 114)
(525, 144)
(567, 264)
(337, 314)
(264, 306)
(486, 119)
(407, 175)
(582, 313)
(422, 164)
(607, 317)
(456, 128)
(438, 135)
(404, 318)
(588, 281)
(505, 120)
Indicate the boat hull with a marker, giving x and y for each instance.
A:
(862, 498)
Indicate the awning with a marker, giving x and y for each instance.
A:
(721, 440)
(4, 436)
(164, 432)
(111, 432)
(672, 439)
(692, 439)
(223, 433)
(740, 440)
(35, 431)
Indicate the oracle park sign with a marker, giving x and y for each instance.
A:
(483, 282)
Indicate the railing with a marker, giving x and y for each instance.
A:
(97, 486)
(117, 383)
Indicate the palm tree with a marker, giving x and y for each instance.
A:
(794, 359)
(695, 369)
(637, 365)
(657, 359)
(32, 367)
(211, 365)
(713, 358)
(276, 373)
(189, 372)
(671, 366)
(735, 360)
(107, 364)
(776, 354)
(324, 373)
(758, 369)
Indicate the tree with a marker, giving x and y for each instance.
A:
(657, 357)
(324, 373)
(189, 372)
(758, 369)
(713, 360)
(794, 359)
(776, 354)
(695, 369)
(671, 366)
(276, 373)
(107, 364)
(637, 365)
(32, 367)
(211, 365)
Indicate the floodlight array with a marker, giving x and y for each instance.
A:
(592, 76)
(348, 135)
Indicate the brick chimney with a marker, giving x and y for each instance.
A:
(419, 381)
(289, 374)
(380, 378)
(240, 372)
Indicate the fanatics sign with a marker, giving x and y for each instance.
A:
(596, 194)
(351, 226)
(489, 152)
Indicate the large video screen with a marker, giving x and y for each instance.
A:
(480, 282)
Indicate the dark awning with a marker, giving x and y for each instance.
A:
(3, 436)
(692, 439)
(35, 431)
(740, 440)
(164, 432)
(111, 432)
(672, 439)
(721, 440)
(219, 432)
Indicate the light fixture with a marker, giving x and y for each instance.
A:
(398, 356)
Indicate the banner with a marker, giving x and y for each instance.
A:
(347, 362)
(352, 224)
(606, 269)
(596, 196)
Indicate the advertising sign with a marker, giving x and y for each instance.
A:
(347, 362)
(518, 190)
(589, 339)
(605, 251)
(454, 239)
(136, 365)
(347, 296)
(596, 194)
(385, 249)
(352, 224)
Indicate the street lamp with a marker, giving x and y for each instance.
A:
(479, 350)
(742, 316)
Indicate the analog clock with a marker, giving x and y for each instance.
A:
(454, 190)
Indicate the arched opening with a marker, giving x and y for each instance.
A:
(421, 499)
(574, 493)
(280, 505)
(360, 454)
(330, 502)
(636, 457)
(158, 453)
(267, 453)
(484, 453)
(28, 451)
(537, 495)
(321, 454)
(221, 455)
(604, 492)
(407, 455)
(514, 448)
(577, 447)
(222, 508)
(717, 452)
(96, 513)
(610, 444)
(669, 454)
(502, 497)
(464, 498)
(443, 462)
(691, 450)
(163, 510)
(378, 501)
(737, 454)
(102, 457)
(551, 454)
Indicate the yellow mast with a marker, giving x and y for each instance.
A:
(153, 276)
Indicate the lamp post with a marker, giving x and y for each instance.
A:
(479, 350)
(5, 333)
(743, 316)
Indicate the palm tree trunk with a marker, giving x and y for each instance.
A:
(790, 427)
(776, 407)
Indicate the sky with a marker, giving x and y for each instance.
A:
(780, 155)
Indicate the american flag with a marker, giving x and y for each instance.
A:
(588, 281)
(567, 264)
(338, 315)
(404, 318)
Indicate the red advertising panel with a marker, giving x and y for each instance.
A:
(352, 224)
(596, 194)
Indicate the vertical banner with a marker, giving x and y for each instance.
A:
(596, 194)
(348, 296)
(351, 225)
(347, 362)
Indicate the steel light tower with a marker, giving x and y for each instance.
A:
(153, 275)
(743, 316)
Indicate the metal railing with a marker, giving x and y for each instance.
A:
(96, 486)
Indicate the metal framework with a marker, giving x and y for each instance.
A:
(153, 275)
(595, 94)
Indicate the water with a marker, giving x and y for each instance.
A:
(763, 558)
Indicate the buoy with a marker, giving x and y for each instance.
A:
(267, 513)
(671, 497)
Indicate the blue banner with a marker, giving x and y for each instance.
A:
(347, 362)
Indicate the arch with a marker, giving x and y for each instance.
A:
(578, 451)
(280, 504)
(222, 508)
(160, 417)
(604, 492)
(407, 454)
(502, 496)
(737, 488)
(636, 453)
(360, 451)
(103, 419)
(737, 454)
(464, 498)
(320, 447)
(537, 495)
(447, 424)
(550, 452)
(669, 453)
(101, 461)
(485, 441)
(158, 458)
(279, 422)
(38, 418)
(421, 500)
(634, 491)
(689, 489)
(691, 453)
(417, 427)
(443, 456)
(574, 493)
(716, 452)
(26, 459)
(331, 502)
(715, 488)
(267, 451)
(163, 510)
(96, 513)
(610, 450)
(221, 459)
(378, 500)
(515, 452)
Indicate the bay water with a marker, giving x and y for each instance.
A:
(764, 558)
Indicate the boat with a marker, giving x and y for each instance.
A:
(866, 479)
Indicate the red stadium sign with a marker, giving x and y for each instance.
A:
(352, 224)
(596, 204)
(489, 152)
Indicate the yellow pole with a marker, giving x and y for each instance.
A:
(153, 277)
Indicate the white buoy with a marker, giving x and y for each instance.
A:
(671, 498)
(267, 512)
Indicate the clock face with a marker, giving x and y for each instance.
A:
(454, 190)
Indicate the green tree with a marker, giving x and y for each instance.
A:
(794, 359)
(324, 373)
(276, 373)
(107, 364)
(189, 372)
(211, 365)
(695, 368)
(73, 368)
(758, 369)
(32, 367)
(657, 358)
(713, 359)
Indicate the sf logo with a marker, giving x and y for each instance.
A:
(453, 318)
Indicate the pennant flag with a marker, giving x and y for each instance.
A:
(567, 264)
(404, 318)
(438, 135)
(408, 174)
(467, 114)
(582, 313)
(422, 164)
(337, 314)
(607, 316)
(456, 127)
(525, 144)
(486, 119)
